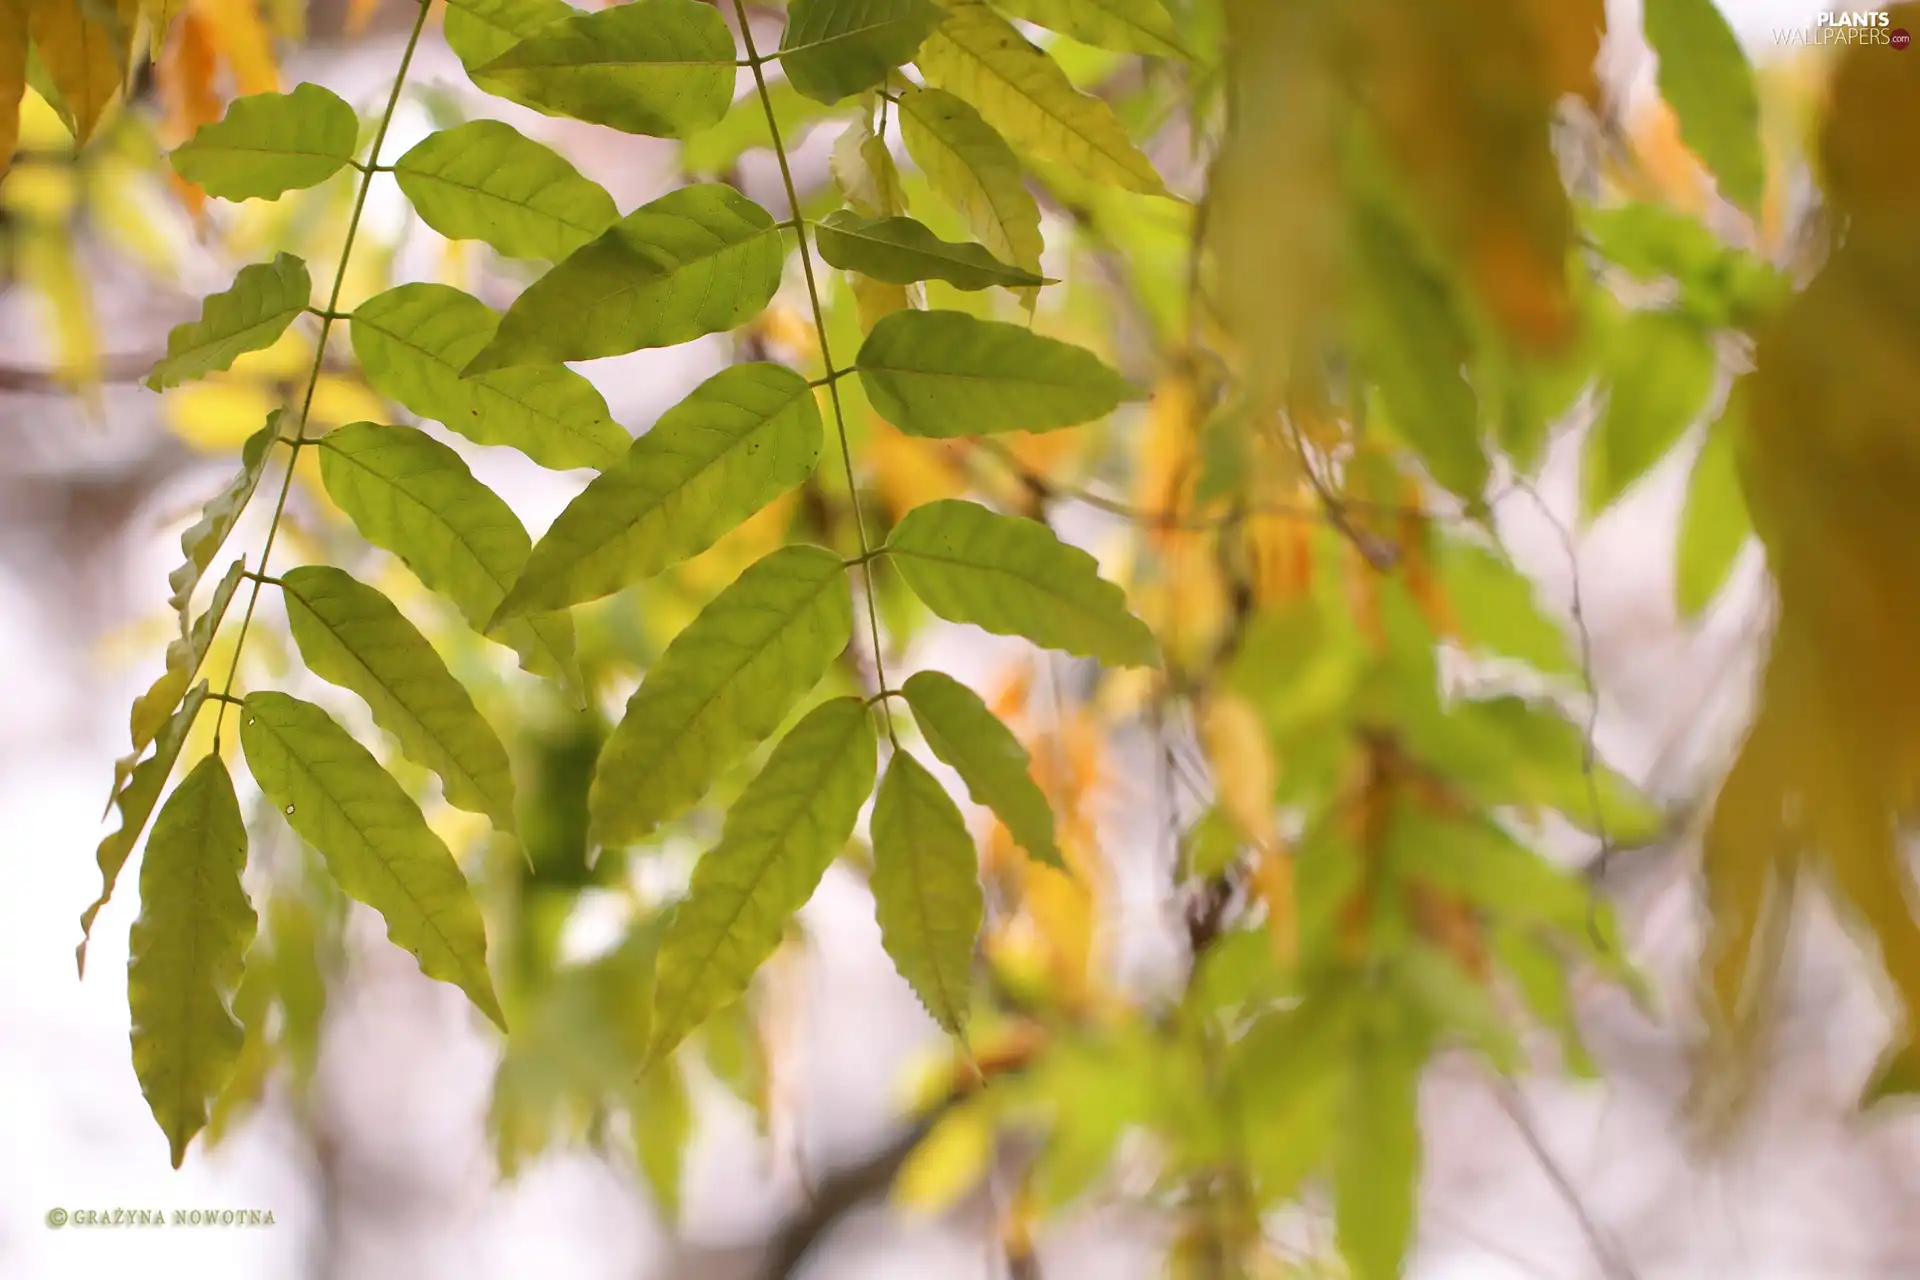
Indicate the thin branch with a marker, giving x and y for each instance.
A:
(368, 173)
(826, 353)
(1605, 1251)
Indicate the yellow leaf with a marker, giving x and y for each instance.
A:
(910, 472)
(338, 401)
(13, 76)
(48, 266)
(288, 359)
(85, 59)
(359, 14)
(236, 29)
(948, 1163)
(1245, 773)
(218, 416)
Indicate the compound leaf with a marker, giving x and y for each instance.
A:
(265, 298)
(413, 341)
(271, 143)
(485, 180)
(926, 889)
(352, 636)
(701, 259)
(780, 837)
(742, 438)
(964, 732)
(375, 841)
(945, 373)
(187, 952)
(898, 250)
(664, 68)
(723, 685)
(411, 495)
(1013, 577)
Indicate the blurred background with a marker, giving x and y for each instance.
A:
(374, 1132)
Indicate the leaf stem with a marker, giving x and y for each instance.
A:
(327, 317)
(826, 354)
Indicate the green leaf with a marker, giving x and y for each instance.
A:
(271, 143)
(1013, 577)
(1661, 370)
(741, 439)
(1286, 1077)
(834, 49)
(926, 889)
(135, 802)
(943, 373)
(411, 495)
(379, 848)
(971, 167)
(1376, 1164)
(1705, 78)
(1478, 860)
(664, 68)
(184, 656)
(479, 31)
(413, 341)
(701, 259)
(725, 683)
(203, 540)
(745, 128)
(662, 1121)
(1020, 91)
(187, 952)
(484, 180)
(1494, 605)
(265, 298)
(964, 732)
(780, 836)
(901, 251)
(1714, 525)
(352, 636)
(1131, 26)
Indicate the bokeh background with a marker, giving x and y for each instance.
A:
(383, 1167)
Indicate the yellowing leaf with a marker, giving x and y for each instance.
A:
(85, 57)
(1020, 91)
(217, 416)
(244, 42)
(13, 75)
(949, 1162)
(970, 166)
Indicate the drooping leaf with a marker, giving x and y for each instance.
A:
(863, 168)
(203, 540)
(1021, 91)
(184, 656)
(1013, 577)
(411, 495)
(265, 298)
(479, 31)
(271, 143)
(662, 1123)
(1376, 1164)
(377, 845)
(944, 373)
(926, 889)
(187, 951)
(1130, 26)
(664, 68)
(413, 342)
(352, 636)
(723, 685)
(742, 438)
(1704, 76)
(485, 180)
(834, 49)
(971, 166)
(1715, 524)
(700, 259)
(1662, 370)
(964, 732)
(84, 51)
(901, 251)
(780, 836)
(135, 802)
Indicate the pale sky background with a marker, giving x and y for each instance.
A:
(75, 1132)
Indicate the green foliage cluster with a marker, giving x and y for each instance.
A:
(1379, 895)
